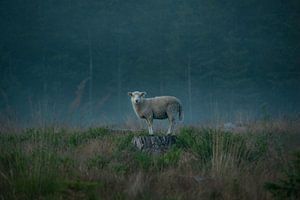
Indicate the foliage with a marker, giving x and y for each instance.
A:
(289, 186)
(103, 164)
(87, 53)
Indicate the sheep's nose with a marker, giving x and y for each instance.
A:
(136, 101)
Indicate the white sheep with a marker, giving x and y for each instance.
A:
(156, 108)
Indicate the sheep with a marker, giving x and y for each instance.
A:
(161, 107)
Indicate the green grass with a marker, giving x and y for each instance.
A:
(103, 164)
(287, 187)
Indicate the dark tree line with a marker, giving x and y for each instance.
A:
(77, 59)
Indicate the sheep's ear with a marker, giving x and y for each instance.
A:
(143, 94)
(129, 94)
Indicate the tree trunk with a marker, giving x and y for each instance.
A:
(119, 73)
(189, 77)
(90, 75)
(154, 144)
(45, 90)
(161, 78)
(161, 74)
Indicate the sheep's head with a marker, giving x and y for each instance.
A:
(137, 97)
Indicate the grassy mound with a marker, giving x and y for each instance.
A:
(103, 164)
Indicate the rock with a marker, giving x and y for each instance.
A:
(199, 179)
(229, 126)
(154, 144)
(237, 128)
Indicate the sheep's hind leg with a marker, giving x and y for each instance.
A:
(171, 126)
(150, 125)
(171, 111)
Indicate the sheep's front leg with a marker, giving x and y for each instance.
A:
(150, 123)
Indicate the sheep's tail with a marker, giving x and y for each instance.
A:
(180, 113)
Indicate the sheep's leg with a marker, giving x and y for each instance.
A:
(171, 125)
(169, 129)
(171, 113)
(150, 123)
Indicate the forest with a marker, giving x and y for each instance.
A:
(74, 61)
(67, 126)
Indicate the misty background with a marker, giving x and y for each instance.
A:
(73, 61)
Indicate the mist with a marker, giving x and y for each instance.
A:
(73, 62)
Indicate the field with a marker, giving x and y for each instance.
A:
(261, 161)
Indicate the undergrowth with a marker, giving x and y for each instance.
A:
(103, 164)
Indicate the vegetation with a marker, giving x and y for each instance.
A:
(103, 164)
(289, 187)
(76, 60)
(72, 62)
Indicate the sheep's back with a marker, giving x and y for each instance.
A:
(160, 104)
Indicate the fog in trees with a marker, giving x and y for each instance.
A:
(73, 62)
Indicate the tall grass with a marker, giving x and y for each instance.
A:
(28, 166)
(102, 164)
